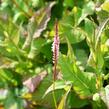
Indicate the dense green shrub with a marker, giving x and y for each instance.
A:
(26, 64)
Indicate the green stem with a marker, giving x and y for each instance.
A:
(54, 78)
(53, 93)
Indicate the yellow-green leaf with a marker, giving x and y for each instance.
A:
(105, 6)
(63, 100)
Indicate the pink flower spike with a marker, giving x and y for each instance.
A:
(55, 45)
(55, 50)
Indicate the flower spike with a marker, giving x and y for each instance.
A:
(55, 49)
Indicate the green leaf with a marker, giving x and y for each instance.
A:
(83, 83)
(37, 3)
(88, 9)
(13, 102)
(30, 31)
(70, 52)
(8, 77)
(89, 29)
(46, 50)
(69, 30)
(77, 54)
(99, 56)
(68, 3)
(19, 16)
(63, 100)
(36, 46)
(74, 100)
(48, 99)
(74, 35)
(77, 12)
(58, 85)
(22, 7)
(68, 21)
(99, 31)
(44, 21)
(10, 31)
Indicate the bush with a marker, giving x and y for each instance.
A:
(70, 73)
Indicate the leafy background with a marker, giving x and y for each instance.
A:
(26, 37)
